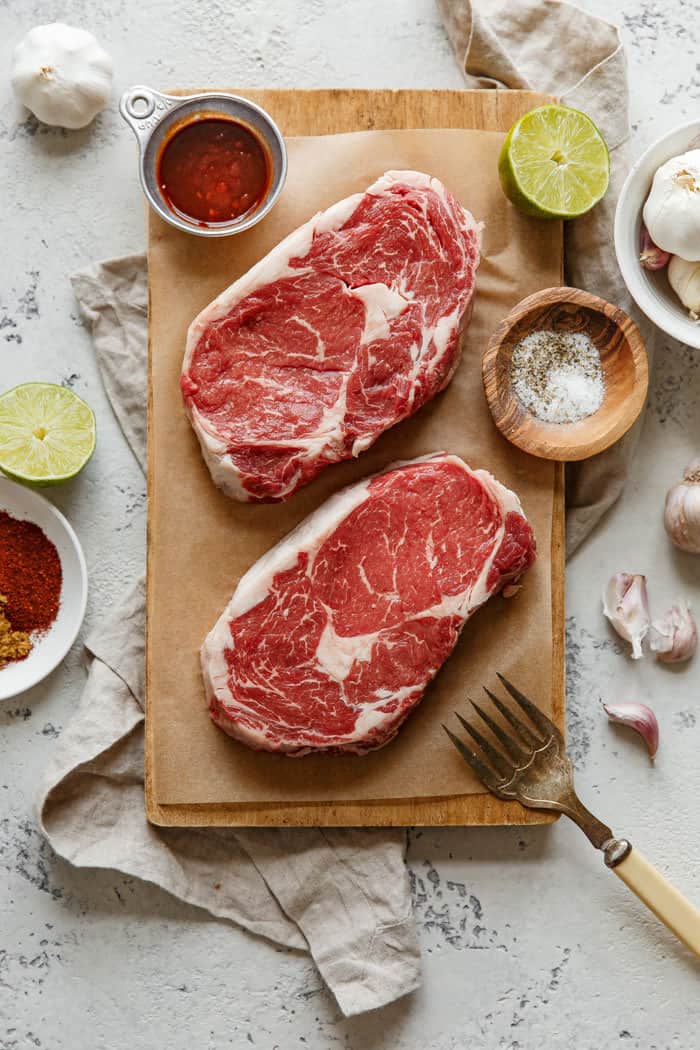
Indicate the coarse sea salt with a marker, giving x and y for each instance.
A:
(558, 375)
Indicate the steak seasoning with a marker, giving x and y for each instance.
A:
(30, 585)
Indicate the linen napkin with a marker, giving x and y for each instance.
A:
(553, 47)
(341, 894)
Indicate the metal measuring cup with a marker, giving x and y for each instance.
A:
(154, 117)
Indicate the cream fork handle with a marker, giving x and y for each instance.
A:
(681, 917)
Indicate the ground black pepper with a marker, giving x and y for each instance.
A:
(558, 375)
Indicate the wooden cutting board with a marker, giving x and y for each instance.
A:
(300, 113)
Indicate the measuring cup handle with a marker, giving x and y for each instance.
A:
(143, 108)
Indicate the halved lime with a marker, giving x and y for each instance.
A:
(554, 163)
(47, 433)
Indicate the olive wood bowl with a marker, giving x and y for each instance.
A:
(623, 359)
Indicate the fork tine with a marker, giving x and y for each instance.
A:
(523, 731)
(512, 747)
(484, 774)
(537, 718)
(498, 760)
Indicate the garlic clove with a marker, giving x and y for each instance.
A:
(674, 637)
(626, 605)
(684, 278)
(682, 510)
(638, 717)
(651, 256)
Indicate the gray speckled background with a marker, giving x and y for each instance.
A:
(528, 942)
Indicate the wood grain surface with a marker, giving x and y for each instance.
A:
(327, 112)
(623, 360)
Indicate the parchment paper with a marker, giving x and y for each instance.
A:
(200, 542)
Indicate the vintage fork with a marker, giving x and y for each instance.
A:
(532, 766)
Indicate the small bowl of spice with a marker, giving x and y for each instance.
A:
(43, 588)
(565, 374)
(211, 164)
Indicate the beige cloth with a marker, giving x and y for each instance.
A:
(553, 47)
(341, 894)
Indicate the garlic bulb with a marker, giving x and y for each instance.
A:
(674, 638)
(672, 209)
(684, 278)
(638, 717)
(62, 75)
(626, 605)
(682, 510)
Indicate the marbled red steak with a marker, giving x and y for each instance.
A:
(331, 637)
(345, 328)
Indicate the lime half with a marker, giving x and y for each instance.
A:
(47, 433)
(554, 163)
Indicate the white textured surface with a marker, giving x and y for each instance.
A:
(528, 941)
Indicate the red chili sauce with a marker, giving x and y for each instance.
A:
(213, 170)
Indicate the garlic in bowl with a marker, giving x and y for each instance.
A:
(672, 209)
(684, 278)
(650, 288)
(62, 74)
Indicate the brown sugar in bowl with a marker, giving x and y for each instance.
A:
(623, 360)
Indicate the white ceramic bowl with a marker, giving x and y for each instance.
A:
(650, 289)
(49, 650)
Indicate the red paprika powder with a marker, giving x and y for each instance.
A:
(30, 575)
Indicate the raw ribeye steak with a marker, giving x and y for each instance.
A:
(345, 328)
(332, 636)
